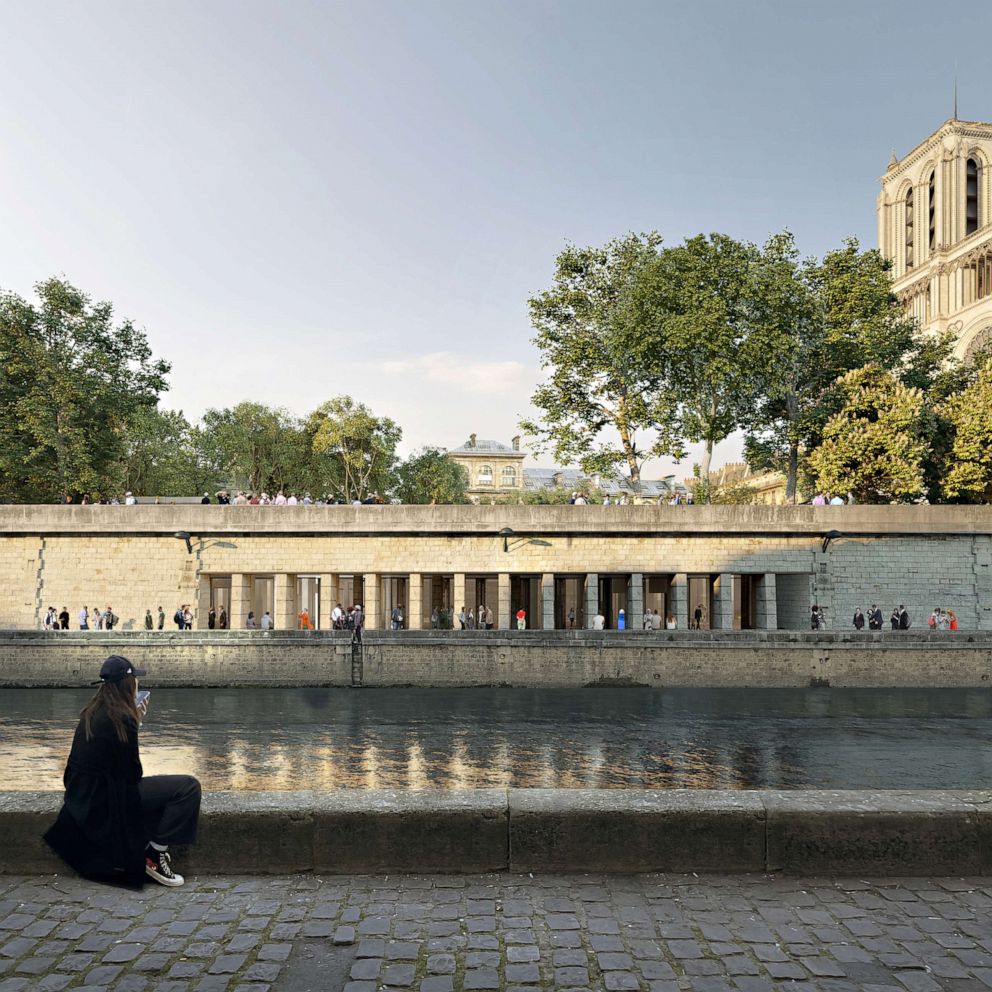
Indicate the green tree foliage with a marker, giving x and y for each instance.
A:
(430, 476)
(967, 464)
(840, 315)
(358, 448)
(162, 456)
(714, 355)
(255, 447)
(600, 391)
(875, 446)
(69, 380)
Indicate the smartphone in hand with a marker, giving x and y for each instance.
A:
(142, 698)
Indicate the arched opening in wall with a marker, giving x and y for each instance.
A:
(485, 477)
(932, 209)
(909, 228)
(972, 177)
(508, 477)
(978, 344)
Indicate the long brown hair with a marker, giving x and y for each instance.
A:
(117, 700)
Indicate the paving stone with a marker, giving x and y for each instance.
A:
(441, 964)
(481, 978)
(437, 983)
(399, 975)
(522, 972)
(366, 968)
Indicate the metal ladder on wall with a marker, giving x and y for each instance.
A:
(357, 663)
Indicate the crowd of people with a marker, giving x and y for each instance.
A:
(444, 618)
(899, 619)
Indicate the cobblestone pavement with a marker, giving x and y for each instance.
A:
(654, 933)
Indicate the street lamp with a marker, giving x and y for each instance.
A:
(183, 535)
(506, 533)
(831, 535)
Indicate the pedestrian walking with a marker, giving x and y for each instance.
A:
(222, 620)
(161, 618)
(859, 619)
(149, 620)
(64, 618)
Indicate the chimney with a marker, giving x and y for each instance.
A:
(516, 443)
(471, 440)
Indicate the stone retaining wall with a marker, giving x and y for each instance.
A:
(710, 659)
(809, 832)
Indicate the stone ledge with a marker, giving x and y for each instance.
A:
(348, 832)
(487, 521)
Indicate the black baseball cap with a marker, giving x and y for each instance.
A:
(117, 667)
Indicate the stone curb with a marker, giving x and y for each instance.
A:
(581, 830)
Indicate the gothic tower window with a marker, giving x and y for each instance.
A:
(932, 208)
(909, 228)
(972, 174)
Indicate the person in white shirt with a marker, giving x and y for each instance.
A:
(266, 621)
(671, 623)
(129, 499)
(280, 499)
(836, 500)
(84, 619)
(598, 622)
(337, 617)
(291, 500)
(656, 621)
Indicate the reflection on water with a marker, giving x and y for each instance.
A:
(529, 738)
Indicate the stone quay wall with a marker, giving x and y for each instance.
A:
(548, 659)
(581, 830)
(130, 558)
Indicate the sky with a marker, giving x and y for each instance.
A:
(298, 200)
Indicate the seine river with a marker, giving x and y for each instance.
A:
(529, 738)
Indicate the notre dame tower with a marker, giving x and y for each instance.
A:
(935, 224)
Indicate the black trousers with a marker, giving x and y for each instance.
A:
(171, 808)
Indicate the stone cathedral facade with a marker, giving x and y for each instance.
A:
(935, 224)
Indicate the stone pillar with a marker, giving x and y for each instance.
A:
(503, 595)
(415, 588)
(201, 607)
(370, 607)
(328, 598)
(635, 601)
(679, 593)
(285, 602)
(240, 601)
(458, 596)
(723, 603)
(768, 602)
(547, 602)
(592, 597)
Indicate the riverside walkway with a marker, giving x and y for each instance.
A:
(509, 932)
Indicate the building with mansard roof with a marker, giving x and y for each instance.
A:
(935, 224)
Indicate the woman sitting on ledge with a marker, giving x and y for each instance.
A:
(116, 825)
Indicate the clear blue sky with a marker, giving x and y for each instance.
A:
(297, 200)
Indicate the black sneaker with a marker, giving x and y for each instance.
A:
(157, 866)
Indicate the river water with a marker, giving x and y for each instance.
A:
(601, 738)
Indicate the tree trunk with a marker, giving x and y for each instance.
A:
(791, 479)
(704, 470)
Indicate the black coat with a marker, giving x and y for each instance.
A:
(100, 830)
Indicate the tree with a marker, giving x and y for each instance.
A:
(714, 357)
(161, 455)
(430, 476)
(599, 384)
(71, 378)
(840, 314)
(875, 447)
(968, 464)
(256, 447)
(359, 448)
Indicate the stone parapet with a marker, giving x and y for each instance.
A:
(532, 658)
(206, 521)
(634, 830)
